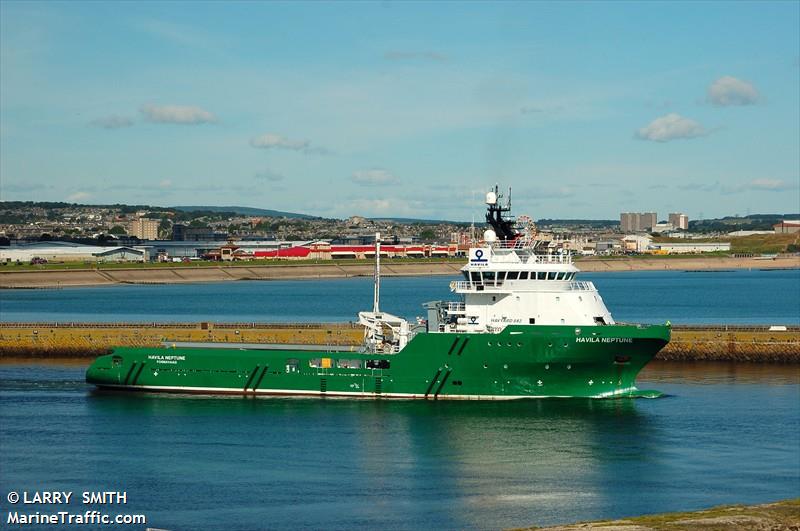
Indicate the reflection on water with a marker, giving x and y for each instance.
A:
(193, 462)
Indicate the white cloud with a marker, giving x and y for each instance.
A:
(374, 177)
(176, 114)
(112, 122)
(762, 185)
(771, 184)
(275, 141)
(269, 175)
(78, 196)
(671, 127)
(729, 90)
(756, 185)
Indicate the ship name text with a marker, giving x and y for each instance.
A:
(161, 358)
(603, 340)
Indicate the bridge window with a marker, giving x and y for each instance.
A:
(560, 276)
(541, 275)
(475, 276)
(488, 277)
(512, 275)
(551, 275)
(523, 275)
(501, 276)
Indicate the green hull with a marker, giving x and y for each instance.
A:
(520, 362)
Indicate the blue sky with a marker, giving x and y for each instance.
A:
(404, 109)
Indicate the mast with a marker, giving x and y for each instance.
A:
(377, 296)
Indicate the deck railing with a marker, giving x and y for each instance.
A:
(456, 306)
(542, 285)
(580, 285)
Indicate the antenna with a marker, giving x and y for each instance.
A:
(377, 295)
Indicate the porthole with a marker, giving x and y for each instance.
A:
(550, 344)
(547, 367)
(505, 366)
(519, 344)
(569, 367)
(485, 366)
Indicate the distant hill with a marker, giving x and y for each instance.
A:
(246, 211)
(732, 223)
(412, 221)
(593, 223)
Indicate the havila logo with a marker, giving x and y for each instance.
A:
(476, 257)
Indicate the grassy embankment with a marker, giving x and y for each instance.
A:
(756, 244)
(779, 516)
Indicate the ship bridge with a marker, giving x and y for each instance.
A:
(507, 282)
(501, 289)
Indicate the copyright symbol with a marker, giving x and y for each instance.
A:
(13, 497)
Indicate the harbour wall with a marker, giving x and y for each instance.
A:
(58, 278)
(86, 340)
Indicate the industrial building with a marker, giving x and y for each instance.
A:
(635, 243)
(71, 252)
(787, 226)
(698, 247)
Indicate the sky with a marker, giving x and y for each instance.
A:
(404, 109)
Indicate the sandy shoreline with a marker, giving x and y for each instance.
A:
(177, 275)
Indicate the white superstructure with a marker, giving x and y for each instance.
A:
(506, 282)
(504, 286)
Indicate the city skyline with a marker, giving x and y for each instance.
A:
(404, 110)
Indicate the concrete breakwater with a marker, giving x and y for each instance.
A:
(83, 340)
(57, 278)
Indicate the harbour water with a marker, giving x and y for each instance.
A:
(725, 433)
(728, 297)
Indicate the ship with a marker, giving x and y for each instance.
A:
(522, 326)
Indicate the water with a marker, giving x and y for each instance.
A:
(730, 297)
(726, 433)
